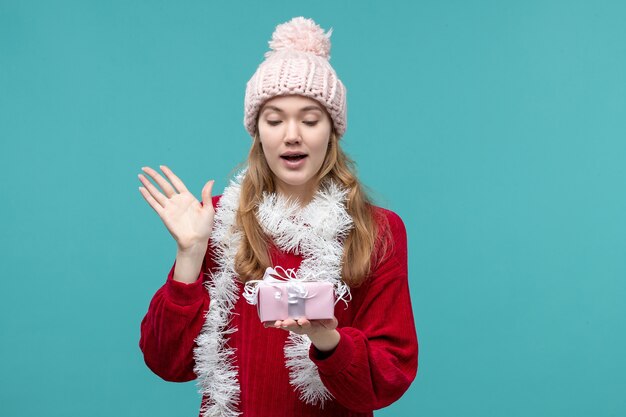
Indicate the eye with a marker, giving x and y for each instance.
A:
(273, 122)
(311, 123)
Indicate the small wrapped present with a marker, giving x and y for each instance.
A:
(279, 297)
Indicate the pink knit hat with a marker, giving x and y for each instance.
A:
(297, 64)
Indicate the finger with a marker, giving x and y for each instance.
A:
(304, 323)
(161, 182)
(284, 323)
(153, 203)
(206, 194)
(154, 192)
(289, 323)
(174, 179)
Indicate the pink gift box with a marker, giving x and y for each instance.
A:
(311, 300)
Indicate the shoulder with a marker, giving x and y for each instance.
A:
(390, 247)
(216, 199)
(388, 222)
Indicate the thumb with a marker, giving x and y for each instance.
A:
(206, 194)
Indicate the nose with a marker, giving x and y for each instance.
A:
(292, 134)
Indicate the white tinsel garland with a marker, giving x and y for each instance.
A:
(316, 232)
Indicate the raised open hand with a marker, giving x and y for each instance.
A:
(189, 222)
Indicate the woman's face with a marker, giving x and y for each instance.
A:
(294, 132)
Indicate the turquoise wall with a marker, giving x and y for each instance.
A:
(496, 129)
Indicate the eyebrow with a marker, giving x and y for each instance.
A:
(279, 110)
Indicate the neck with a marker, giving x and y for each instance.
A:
(302, 194)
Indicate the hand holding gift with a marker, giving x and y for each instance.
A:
(322, 333)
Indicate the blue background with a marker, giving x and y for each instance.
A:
(496, 129)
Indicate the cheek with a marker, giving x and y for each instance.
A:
(267, 142)
(261, 129)
(320, 151)
(320, 143)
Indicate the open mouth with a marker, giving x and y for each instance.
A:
(293, 158)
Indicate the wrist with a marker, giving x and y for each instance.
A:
(189, 264)
(193, 252)
(325, 341)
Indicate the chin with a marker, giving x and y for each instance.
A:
(296, 182)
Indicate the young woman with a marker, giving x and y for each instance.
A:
(299, 206)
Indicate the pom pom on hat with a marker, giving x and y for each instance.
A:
(300, 34)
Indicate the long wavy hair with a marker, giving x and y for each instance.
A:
(253, 256)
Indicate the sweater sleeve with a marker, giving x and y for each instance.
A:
(376, 358)
(169, 328)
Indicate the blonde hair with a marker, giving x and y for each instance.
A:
(253, 256)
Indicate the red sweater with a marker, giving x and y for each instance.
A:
(371, 367)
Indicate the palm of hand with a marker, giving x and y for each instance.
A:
(188, 221)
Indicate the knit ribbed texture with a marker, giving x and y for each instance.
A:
(373, 365)
(297, 64)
